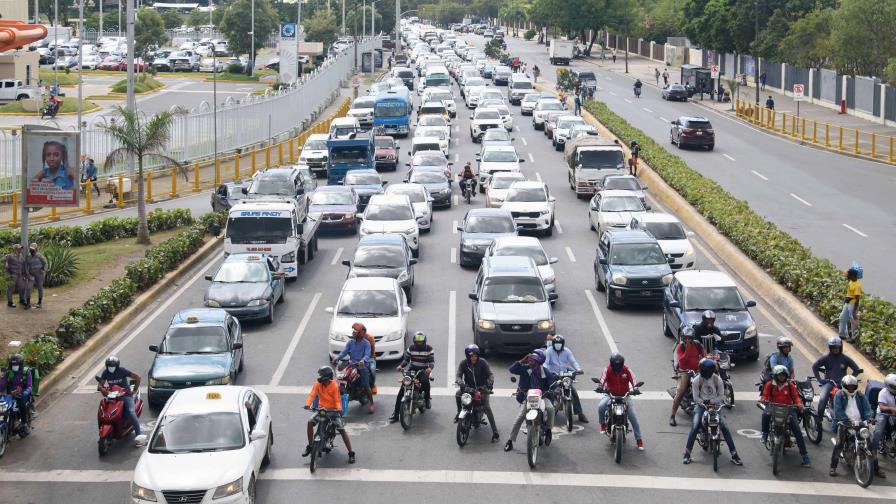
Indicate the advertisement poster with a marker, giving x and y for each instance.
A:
(50, 168)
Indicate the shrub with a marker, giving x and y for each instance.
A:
(62, 264)
(817, 282)
(529, 35)
(42, 352)
(566, 80)
(235, 68)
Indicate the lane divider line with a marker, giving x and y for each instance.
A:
(600, 320)
(538, 176)
(525, 143)
(570, 255)
(531, 158)
(763, 177)
(801, 200)
(647, 110)
(454, 227)
(453, 255)
(558, 226)
(294, 342)
(729, 158)
(336, 256)
(854, 230)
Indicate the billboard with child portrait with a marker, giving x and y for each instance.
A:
(50, 168)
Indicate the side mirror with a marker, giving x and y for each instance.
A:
(594, 208)
(674, 304)
(407, 309)
(473, 296)
(257, 435)
(208, 277)
(245, 190)
(346, 262)
(690, 233)
(639, 384)
(450, 163)
(602, 260)
(647, 206)
(674, 123)
(512, 139)
(553, 260)
(359, 216)
(522, 160)
(328, 309)
(98, 378)
(553, 296)
(751, 303)
(460, 228)
(385, 182)
(478, 156)
(152, 348)
(237, 346)
(413, 262)
(552, 199)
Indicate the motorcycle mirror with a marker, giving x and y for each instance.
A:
(513, 379)
(639, 384)
(346, 262)
(154, 348)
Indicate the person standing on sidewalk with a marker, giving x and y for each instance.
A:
(762, 78)
(850, 313)
(656, 75)
(578, 102)
(15, 265)
(614, 55)
(666, 76)
(37, 266)
(770, 103)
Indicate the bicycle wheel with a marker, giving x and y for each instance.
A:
(813, 427)
(532, 440)
(620, 442)
(315, 453)
(716, 448)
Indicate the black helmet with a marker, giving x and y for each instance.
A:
(113, 362)
(687, 332)
(617, 361)
(709, 315)
(707, 367)
(16, 359)
(784, 342)
(835, 342)
(324, 374)
(558, 339)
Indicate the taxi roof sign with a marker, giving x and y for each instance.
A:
(192, 319)
(213, 395)
(254, 258)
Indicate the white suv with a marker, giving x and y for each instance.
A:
(615, 209)
(544, 107)
(484, 118)
(392, 214)
(531, 205)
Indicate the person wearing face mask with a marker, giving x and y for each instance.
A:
(359, 352)
(114, 374)
(618, 380)
(532, 375)
(17, 382)
(559, 358)
(474, 372)
(849, 406)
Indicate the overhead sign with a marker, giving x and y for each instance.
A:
(799, 92)
(714, 71)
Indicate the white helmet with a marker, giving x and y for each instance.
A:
(890, 383)
(850, 385)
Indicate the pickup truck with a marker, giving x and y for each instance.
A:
(589, 159)
(349, 154)
(561, 52)
(13, 90)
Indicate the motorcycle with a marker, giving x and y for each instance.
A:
(349, 380)
(723, 364)
(815, 425)
(50, 110)
(888, 440)
(10, 421)
(637, 92)
(112, 420)
(467, 189)
(566, 380)
(780, 436)
(856, 451)
(324, 436)
(412, 399)
(616, 416)
(537, 433)
(687, 402)
(710, 435)
(471, 414)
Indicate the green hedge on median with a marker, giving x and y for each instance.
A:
(817, 282)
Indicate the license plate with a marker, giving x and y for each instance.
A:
(646, 293)
(699, 133)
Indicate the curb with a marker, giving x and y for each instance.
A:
(59, 114)
(803, 320)
(60, 376)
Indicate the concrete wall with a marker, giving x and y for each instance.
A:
(16, 65)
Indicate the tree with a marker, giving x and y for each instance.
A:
(862, 37)
(172, 19)
(149, 32)
(808, 41)
(144, 140)
(236, 24)
(321, 27)
(666, 20)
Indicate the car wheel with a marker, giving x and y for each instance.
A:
(611, 303)
(710, 147)
(239, 368)
(550, 230)
(416, 253)
(591, 224)
(666, 332)
(270, 318)
(251, 490)
(267, 452)
(408, 294)
(599, 287)
(671, 138)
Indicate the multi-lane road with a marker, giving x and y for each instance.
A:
(58, 463)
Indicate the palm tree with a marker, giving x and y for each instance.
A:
(144, 140)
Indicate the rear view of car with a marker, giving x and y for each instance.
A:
(693, 131)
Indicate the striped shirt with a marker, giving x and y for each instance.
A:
(419, 357)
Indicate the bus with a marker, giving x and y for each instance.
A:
(392, 112)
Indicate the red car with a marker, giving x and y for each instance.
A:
(119, 64)
(550, 121)
(386, 154)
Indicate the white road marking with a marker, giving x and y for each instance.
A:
(456, 157)
(531, 158)
(538, 176)
(518, 128)
(801, 200)
(647, 110)
(570, 255)
(452, 334)
(763, 177)
(612, 93)
(454, 227)
(558, 226)
(453, 255)
(854, 230)
(664, 119)
(524, 141)
(456, 199)
(294, 342)
(336, 256)
(627, 100)
(603, 323)
(156, 314)
(729, 158)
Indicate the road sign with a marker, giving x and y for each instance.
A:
(714, 71)
(799, 92)
(356, 82)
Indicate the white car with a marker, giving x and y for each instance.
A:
(624, 182)
(380, 304)
(483, 119)
(434, 120)
(614, 209)
(420, 200)
(435, 132)
(527, 104)
(90, 61)
(362, 110)
(494, 159)
(506, 116)
(562, 129)
(497, 186)
(671, 236)
(205, 447)
(527, 246)
(471, 95)
(442, 95)
(490, 93)
(532, 206)
(392, 214)
(544, 107)
(210, 65)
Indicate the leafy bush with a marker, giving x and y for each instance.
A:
(566, 80)
(42, 352)
(62, 264)
(235, 68)
(493, 50)
(817, 282)
(529, 35)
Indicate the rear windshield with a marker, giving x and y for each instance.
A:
(362, 179)
(405, 74)
(699, 124)
(489, 224)
(666, 230)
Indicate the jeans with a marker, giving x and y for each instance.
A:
(132, 412)
(364, 377)
(794, 429)
(846, 317)
(521, 417)
(484, 404)
(576, 403)
(838, 447)
(632, 417)
(885, 423)
(695, 428)
(823, 401)
(371, 365)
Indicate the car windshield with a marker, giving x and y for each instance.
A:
(536, 253)
(586, 76)
(441, 95)
(491, 95)
(503, 182)
(331, 198)
(526, 194)
(513, 290)
(666, 230)
(242, 272)
(550, 105)
(601, 159)
(621, 204)
(531, 97)
(676, 87)
(405, 74)
(475, 82)
(205, 432)
(384, 143)
(259, 230)
(390, 109)
(194, 339)
(496, 156)
(368, 303)
(432, 109)
(489, 224)
(425, 177)
(568, 123)
(437, 80)
(316, 145)
(362, 179)
(349, 156)
(496, 134)
(415, 194)
(429, 159)
(503, 110)
(487, 114)
(380, 257)
(712, 298)
(341, 131)
(431, 131)
(275, 186)
(389, 213)
(432, 120)
(624, 183)
(637, 254)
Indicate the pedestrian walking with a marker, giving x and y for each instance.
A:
(633, 161)
(666, 76)
(762, 78)
(89, 173)
(390, 62)
(578, 101)
(614, 55)
(770, 103)
(14, 264)
(37, 271)
(656, 75)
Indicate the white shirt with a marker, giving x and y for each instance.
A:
(852, 409)
(886, 398)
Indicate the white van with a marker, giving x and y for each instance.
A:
(269, 226)
(344, 127)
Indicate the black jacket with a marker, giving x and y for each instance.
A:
(478, 375)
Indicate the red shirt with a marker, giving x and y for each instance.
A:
(688, 359)
(781, 395)
(617, 383)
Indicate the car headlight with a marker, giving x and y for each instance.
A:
(486, 324)
(619, 280)
(288, 258)
(410, 230)
(224, 380)
(159, 383)
(212, 303)
(690, 250)
(364, 231)
(667, 279)
(393, 336)
(257, 302)
(549, 279)
(403, 277)
(139, 492)
(545, 324)
(339, 337)
(232, 488)
(751, 332)
(544, 212)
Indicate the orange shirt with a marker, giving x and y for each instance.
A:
(328, 396)
(372, 341)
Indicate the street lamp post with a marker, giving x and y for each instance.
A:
(119, 20)
(252, 34)
(397, 27)
(756, 51)
(363, 18)
(343, 17)
(100, 34)
(56, 44)
(80, 64)
(298, 31)
(131, 100)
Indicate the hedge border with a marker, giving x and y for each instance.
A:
(815, 281)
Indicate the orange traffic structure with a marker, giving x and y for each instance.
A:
(15, 34)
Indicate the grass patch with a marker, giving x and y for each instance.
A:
(68, 105)
(65, 79)
(232, 77)
(143, 84)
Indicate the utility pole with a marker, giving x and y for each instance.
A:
(756, 51)
(119, 20)
(36, 14)
(252, 33)
(343, 17)
(100, 34)
(298, 31)
(80, 76)
(132, 99)
(397, 27)
(363, 18)
(55, 44)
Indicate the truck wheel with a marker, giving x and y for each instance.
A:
(22, 97)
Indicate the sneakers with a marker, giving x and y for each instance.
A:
(39, 305)
(393, 418)
(307, 451)
(140, 440)
(672, 421)
(508, 445)
(603, 428)
(805, 462)
(735, 459)
(833, 472)
(763, 438)
(880, 473)
(548, 436)
(583, 418)
(495, 436)
(640, 445)
(10, 304)
(686, 459)
(351, 457)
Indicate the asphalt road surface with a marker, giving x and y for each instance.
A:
(58, 463)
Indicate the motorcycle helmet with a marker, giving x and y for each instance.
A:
(784, 342)
(709, 318)
(687, 332)
(890, 383)
(419, 338)
(558, 342)
(16, 362)
(537, 356)
(780, 370)
(324, 374)
(850, 385)
(471, 349)
(617, 362)
(707, 367)
(112, 363)
(835, 342)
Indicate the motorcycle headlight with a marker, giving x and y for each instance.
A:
(212, 303)
(257, 302)
(159, 383)
(224, 380)
(751, 332)
(407, 380)
(232, 488)
(545, 324)
(667, 279)
(288, 258)
(486, 324)
(864, 433)
(618, 409)
(466, 399)
(619, 280)
(139, 492)
(567, 382)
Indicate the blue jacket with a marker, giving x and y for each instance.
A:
(840, 402)
(538, 378)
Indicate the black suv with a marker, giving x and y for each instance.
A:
(631, 267)
(692, 131)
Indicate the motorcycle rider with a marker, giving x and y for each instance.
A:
(638, 85)
(359, 353)
(618, 380)
(834, 365)
(326, 391)
(849, 406)
(533, 375)
(708, 389)
(17, 382)
(474, 372)
(559, 358)
(419, 356)
(886, 415)
(782, 356)
(687, 354)
(707, 325)
(465, 175)
(371, 364)
(781, 390)
(114, 374)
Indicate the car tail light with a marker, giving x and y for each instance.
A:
(687, 131)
